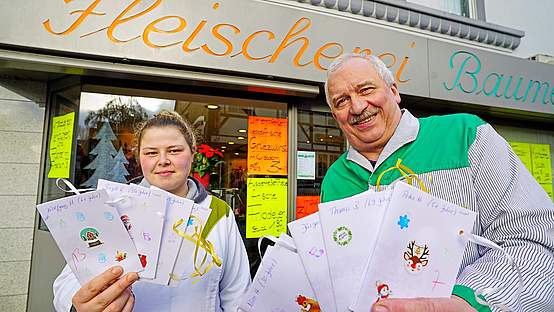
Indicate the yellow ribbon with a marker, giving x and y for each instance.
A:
(409, 176)
(199, 243)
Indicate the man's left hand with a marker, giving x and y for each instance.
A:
(452, 304)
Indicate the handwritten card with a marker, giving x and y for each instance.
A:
(308, 239)
(280, 285)
(177, 208)
(142, 211)
(350, 227)
(419, 250)
(187, 264)
(89, 234)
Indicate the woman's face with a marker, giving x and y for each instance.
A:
(165, 159)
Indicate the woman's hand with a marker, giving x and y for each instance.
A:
(106, 292)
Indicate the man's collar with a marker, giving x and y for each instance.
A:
(405, 132)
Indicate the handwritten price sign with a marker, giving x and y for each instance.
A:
(306, 205)
(267, 146)
(266, 212)
(60, 146)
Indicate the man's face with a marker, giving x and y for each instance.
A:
(365, 108)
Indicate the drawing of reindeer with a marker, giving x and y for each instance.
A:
(416, 257)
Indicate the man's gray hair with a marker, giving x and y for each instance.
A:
(382, 71)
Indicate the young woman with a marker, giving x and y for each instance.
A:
(165, 145)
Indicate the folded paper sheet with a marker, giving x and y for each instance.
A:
(350, 227)
(190, 264)
(419, 250)
(308, 239)
(280, 285)
(142, 211)
(177, 208)
(90, 234)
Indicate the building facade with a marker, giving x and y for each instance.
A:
(248, 75)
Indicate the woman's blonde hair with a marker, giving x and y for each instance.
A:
(167, 119)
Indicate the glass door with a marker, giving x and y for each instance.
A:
(58, 160)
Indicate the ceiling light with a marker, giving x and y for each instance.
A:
(240, 138)
(242, 130)
(330, 137)
(237, 154)
(230, 142)
(212, 106)
(308, 141)
(321, 140)
(224, 147)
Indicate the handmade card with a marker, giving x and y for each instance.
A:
(350, 227)
(286, 241)
(89, 234)
(177, 209)
(142, 211)
(419, 250)
(308, 239)
(280, 285)
(189, 264)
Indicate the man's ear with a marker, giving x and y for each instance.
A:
(395, 93)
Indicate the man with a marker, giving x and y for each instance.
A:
(459, 158)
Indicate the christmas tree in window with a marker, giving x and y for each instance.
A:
(104, 151)
(119, 170)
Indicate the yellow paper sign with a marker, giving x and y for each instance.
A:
(542, 165)
(266, 209)
(523, 151)
(60, 146)
(548, 189)
(267, 146)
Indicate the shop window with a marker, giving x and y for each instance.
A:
(106, 146)
(320, 143)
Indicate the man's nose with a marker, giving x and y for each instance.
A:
(358, 105)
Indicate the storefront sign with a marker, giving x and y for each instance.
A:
(254, 37)
(305, 165)
(266, 211)
(267, 146)
(306, 205)
(60, 146)
(480, 77)
(277, 40)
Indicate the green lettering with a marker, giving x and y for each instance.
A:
(538, 84)
(514, 94)
(499, 79)
(465, 68)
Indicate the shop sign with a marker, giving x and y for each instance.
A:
(255, 37)
(480, 77)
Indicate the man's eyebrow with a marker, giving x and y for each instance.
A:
(365, 83)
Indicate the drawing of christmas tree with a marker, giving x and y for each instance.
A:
(119, 171)
(104, 152)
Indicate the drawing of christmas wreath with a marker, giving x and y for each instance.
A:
(342, 235)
